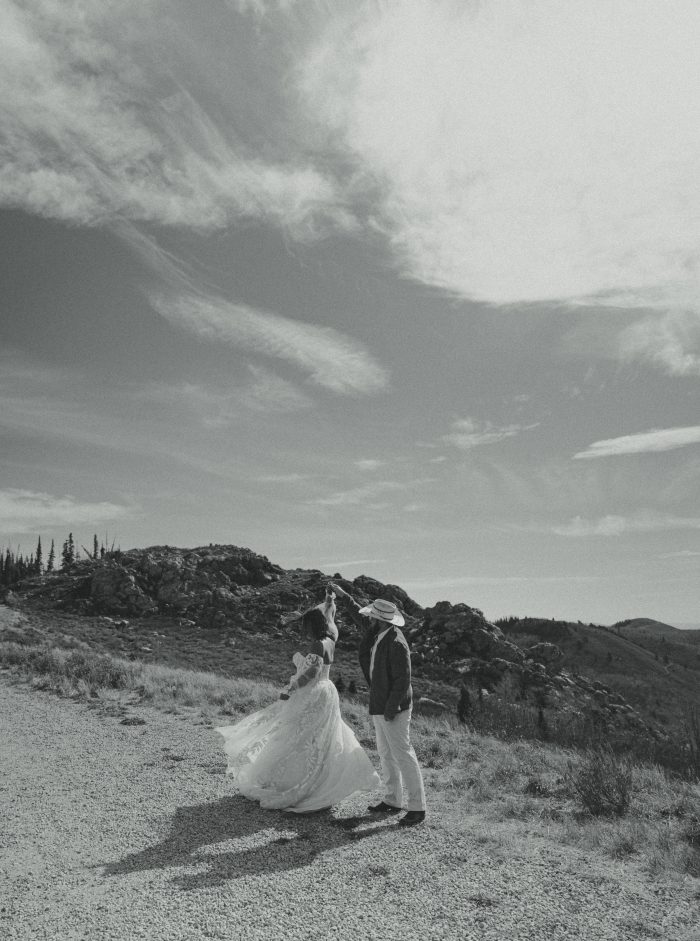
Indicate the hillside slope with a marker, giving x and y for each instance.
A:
(225, 606)
(629, 661)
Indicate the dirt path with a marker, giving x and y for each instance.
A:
(113, 831)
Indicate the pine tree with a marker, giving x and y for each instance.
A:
(95, 547)
(68, 553)
(38, 558)
(51, 561)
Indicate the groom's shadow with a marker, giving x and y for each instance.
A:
(271, 841)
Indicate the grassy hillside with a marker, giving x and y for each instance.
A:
(660, 678)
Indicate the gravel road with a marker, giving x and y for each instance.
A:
(113, 831)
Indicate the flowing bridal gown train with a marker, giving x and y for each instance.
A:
(299, 754)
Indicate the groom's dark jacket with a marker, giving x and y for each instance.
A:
(390, 689)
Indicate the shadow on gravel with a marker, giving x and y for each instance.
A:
(272, 841)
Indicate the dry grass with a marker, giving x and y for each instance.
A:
(87, 674)
(511, 786)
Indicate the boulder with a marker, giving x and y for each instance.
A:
(454, 632)
(547, 654)
(113, 588)
(429, 707)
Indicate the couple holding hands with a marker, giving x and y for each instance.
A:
(299, 755)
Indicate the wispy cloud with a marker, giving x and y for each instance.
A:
(538, 151)
(468, 433)
(292, 478)
(352, 563)
(27, 511)
(415, 507)
(681, 554)
(60, 405)
(671, 341)
(666, 439)
(99, 124)
(328, 357)
(468, 580)
(217, 407)
(358, 495)
(369, 464)
(617, 525)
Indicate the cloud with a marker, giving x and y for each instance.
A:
(467, 580)
(60, 405)
(27, 511)
(671, 342)
(525, 150)
(369, 464)
(666, 439)
(328, 357)
(352, 563)
(682, 554)
(283, 478)
(101, 122)
(617, 525)
(217, 407)
(369, 493)
(358, 495)
(468, 433)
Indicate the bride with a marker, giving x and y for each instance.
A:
(298, 754)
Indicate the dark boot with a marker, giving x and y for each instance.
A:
(411, 818)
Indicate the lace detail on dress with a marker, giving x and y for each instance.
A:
(308, 668)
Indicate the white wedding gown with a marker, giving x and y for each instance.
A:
(299, 754)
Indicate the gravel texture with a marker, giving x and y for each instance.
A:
(130, 831)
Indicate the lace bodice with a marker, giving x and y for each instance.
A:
(311, 666)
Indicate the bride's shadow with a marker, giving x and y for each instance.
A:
(270, 841)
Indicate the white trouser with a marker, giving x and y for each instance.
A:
(400, 767)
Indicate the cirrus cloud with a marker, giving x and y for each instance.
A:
(666, 439)
(28, 511)
(468, 433)
(526, 150)
(328, 357)
(613, 525)
(101, 123)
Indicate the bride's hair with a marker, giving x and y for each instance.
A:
(316, 623)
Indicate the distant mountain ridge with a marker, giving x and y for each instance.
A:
(650, 626)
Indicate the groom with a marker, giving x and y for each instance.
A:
(386, 663)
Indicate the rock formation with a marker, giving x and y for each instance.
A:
(235, 589)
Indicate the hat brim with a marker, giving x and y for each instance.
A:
(369, 612)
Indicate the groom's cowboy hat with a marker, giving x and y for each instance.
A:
(384, 611)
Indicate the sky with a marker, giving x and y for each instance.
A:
(405, 288)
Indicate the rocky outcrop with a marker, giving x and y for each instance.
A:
(233, 589)
(457, 641)
(450, 633)
(209, 586)
(113, 588)
(551, 656)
